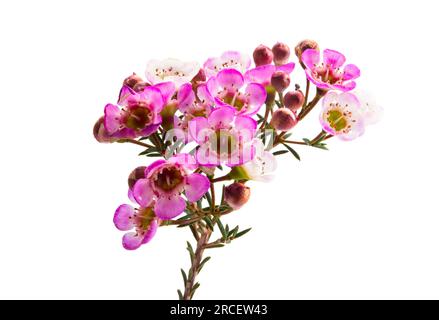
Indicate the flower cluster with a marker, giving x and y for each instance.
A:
(222, 124)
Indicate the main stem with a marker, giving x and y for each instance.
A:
(196, 261)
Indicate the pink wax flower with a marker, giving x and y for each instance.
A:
(191, 105)
(171, 70)
(341, 116)
(228, 88)
(224, 137)
(142, 220)
(165, 181)
(139, 114)
(329, 74)
(263, 74)
(228, 60)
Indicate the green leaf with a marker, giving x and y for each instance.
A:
(278, 153)
(153, 155)
(202, 263)
(233, 232)
(222, 196)
(191, 250)
(194, 288)
(295, 154)
(240, 234)
(213, 246)
(183, 274)
(221, 227)
(148, 150)
(278, 103)
(307, 141)
(208, 222)
(286, 136)
(180, 295)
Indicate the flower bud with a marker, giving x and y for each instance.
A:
(294, 100)
(281, 53)
(135, 175)
(262, 55)
(139, 86)
(280, 81)
(304, 45)
(283, 119)
(132, 80)
(236, 195)
(100, 133)
(199, 77)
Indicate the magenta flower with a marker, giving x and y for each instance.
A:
(191, 105)
(262, 74)
(228, 60)
(329, 74)
(165, 181)
(224, 137)
(225, 90)
(140, 112)
(143, 220)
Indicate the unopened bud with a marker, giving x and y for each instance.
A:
(140, 86)
(280, 81)
(135, 175)
(132, 80)
(294, 100)
(200, 76)
(262, 55)
(304, 45)
(281, 53)
(283, 119)
(100, 133)
(236, 195)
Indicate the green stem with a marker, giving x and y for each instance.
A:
(311, 105)
(139, 143)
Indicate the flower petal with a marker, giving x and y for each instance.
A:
(132, 241)
(169, 207)
(185, 97)
(221, 117)
(150, 233)
(261, 74)
(351, 72)
(246, 125)
(153, 97)
(112, 118)
(256, 97)
(123, 217)
(167, 89)
(230, 79)
(184, 159)
(124, 93)
(197, 128)
(333, 58)
(310, 58)
(287, 68)
(205, 157)
(143, 193)
(196, 186)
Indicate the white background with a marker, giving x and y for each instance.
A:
(360, 221)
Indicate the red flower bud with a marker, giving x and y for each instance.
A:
(281, 53)
(199, 77)
(304, 45)
(236, 195)
(138, 87)
(135, 175)
(283, 119)
(262, 55)
(100, 133)
(294, 100)
(280, 81)
(132, 80)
